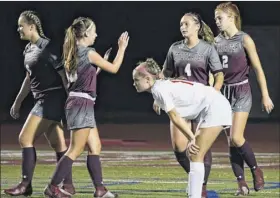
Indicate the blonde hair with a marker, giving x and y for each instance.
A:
(232, 10)
(204, 31)
(149, 66)
(76, 31)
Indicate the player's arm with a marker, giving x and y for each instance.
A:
(168, 66)
(216, 69)
(105, 65)
(211, 79)
(181, 124)
(250, 47)
(114, 67)
(24, 90)
(58, 65)
(64, 79)
(106, 57)
(219, 80)
(163, 96)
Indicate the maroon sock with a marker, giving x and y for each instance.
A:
(63, 168)
(95, 170)
(248, 155)
(183, 160)
(237, 163)
(68, 178)
(29, 159)
(207, 165)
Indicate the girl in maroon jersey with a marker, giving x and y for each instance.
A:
(238, 52)
(43, 79)
(192, 58)
(80, 63)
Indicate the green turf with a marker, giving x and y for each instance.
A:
(155, 181)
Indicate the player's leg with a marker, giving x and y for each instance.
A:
(33, 127)
(245, 151)
(242, 105)
(236, 159)
(179, 144)
(94, 165)
(79, 138)
(56, 139)
(204, 139)
(207, 166)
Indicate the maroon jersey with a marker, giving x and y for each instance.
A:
(84, 79)
(42, 67)
(192, 64)
(233, 57)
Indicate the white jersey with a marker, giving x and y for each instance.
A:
(189, 99)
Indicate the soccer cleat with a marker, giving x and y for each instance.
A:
(52, 191)
(204, 191)
(68, 189)
(243, 188)
(102, 192)
(258, 179)
(21, 189)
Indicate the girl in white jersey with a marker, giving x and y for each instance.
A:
(183, 100)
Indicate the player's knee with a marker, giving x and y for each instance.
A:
(58, 146)
(74, 152)
(230, 143)
(208, 158)
(177, 148)
(237, 140)
(197, 158)
(98, 148)
(54, 145)
(179, 145)
(95, 149)
(25, 141)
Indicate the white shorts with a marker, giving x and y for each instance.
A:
(219, 113)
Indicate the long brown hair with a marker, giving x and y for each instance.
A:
(76, 31)
(204, 31)
(232, 10)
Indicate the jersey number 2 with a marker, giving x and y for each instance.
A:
(225, 61)
(188, 69)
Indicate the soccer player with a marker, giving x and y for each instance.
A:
(237, 52)
(192, 58)
(80, 62)
(185, 100)
(44, 78)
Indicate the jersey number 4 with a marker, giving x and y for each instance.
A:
(188, 69)
(225, 61)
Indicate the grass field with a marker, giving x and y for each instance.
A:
(142, 174)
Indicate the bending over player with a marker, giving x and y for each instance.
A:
(185, 100)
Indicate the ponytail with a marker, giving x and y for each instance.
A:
(70, 51)
(206, 33)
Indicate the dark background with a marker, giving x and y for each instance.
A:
(153, 27)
